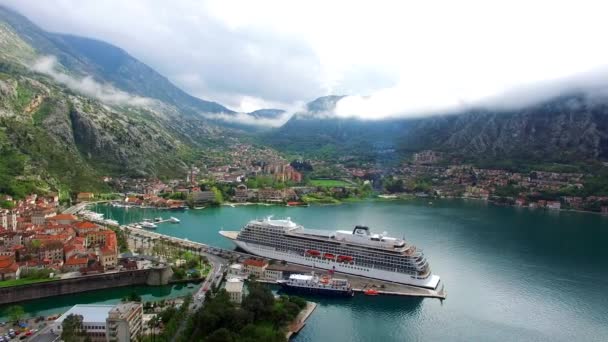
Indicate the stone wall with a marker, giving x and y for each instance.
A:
(155, 276)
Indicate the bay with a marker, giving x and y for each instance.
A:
(511, 274)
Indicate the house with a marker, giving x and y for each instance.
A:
(75, 263)
(270, 195)
(40, 215)
(255, 267)
(234, 288)
(85, 196)
(51, 250)
(241, 194)
(203, 196)
(9, 269)
(555, 205)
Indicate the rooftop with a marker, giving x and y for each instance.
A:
(234, 285)
(91, 313)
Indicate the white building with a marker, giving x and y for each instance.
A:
(234, 287)
(103, 323)
(125, 322)
(93, 320)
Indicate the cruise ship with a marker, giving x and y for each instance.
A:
(358, 252)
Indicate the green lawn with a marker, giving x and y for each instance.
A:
(17, 282)
(328, 183)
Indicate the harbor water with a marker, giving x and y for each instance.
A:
(511, 274)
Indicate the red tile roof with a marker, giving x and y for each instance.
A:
(63, 217)
(255, 262)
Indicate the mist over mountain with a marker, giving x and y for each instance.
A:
(565, 128)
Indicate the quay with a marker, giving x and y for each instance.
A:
(300, 321)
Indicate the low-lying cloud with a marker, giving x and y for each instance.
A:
(87, 85)
(403, 101)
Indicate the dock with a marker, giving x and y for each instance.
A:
(300, 321)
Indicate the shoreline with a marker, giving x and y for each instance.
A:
(300, 321)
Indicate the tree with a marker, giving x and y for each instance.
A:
(220, 335)
(132, 297)
(15, 313)
(72, 329)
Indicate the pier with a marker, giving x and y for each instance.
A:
(300, 321)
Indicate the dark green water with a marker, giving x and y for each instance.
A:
(60, 304)
(511, 274)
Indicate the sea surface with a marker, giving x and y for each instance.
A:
(511, 274)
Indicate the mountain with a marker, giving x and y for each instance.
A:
(267, 113)
(569, 128)
(56, 133)
(106, 63)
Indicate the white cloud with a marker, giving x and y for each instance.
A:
(409, 57)
(87, 85)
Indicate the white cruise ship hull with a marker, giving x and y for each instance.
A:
(268, 252)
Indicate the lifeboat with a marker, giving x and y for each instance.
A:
(345, 258)
(370, 292)
(313, 252)
(329, 256)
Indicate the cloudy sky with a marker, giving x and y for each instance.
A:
(394, 57)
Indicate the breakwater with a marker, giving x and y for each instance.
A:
(153, 277)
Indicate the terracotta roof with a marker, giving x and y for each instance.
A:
(86, 225)
(76, 261)
(255, 262)
(63, 217)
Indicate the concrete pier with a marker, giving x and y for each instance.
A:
(300, 321)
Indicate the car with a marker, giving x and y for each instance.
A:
(7, 338)
(12, 334)
(23, 337)
(2, 339)
(17, 332)
(28, 333)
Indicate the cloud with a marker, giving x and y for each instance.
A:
(248, 119)
(403, 101)
(396, 58)
(87, 85)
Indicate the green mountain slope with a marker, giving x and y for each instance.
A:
(106, 63)
(565, 129)
(53, 136)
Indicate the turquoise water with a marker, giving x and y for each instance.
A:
(510, 274)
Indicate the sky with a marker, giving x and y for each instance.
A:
(393, 58)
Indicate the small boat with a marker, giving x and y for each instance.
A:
(148, 225)
(345, 258)
(370, 292)
(174, 220)
(313, 284)
(313, 252)
(158, 219)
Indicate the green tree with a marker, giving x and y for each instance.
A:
(132, 297)
(72, 329)
(15, 313)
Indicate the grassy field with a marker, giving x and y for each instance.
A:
(328, 183)
(17, 282)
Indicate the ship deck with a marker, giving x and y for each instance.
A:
(360, 284)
